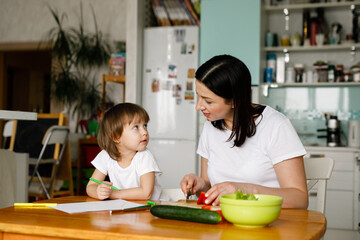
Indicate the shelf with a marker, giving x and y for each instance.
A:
(116, 78)
(317, 84)
(265, 86)
(340, 47)
(110, 78)
(312, 5)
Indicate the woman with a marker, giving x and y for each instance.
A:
(243, 146)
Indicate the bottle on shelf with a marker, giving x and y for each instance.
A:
(323, 26)
(306, 26)
(355, 23)
(271, 64)
(331, 73)
(299, 71)
(314, 27)
(335, 33)
(290, 75)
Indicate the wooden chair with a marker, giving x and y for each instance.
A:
(55, 135)
(318, 171)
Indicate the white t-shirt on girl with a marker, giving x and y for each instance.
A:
(275, 141)
(129, 177)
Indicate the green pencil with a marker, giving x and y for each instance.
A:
(99, 182)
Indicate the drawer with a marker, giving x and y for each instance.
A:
(344, 161)
(339, 181)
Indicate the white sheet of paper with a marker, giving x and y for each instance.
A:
(105, 205)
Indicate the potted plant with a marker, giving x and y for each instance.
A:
(77, 54)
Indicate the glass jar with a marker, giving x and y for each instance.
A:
(348, 77)
(355, 70)
(339, 73)
(322, 71)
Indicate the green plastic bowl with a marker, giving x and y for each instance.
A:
(251, 213)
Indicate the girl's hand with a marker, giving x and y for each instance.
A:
(103, 191)
(191, 181)
(215, 192)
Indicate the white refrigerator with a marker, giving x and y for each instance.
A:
(170, 60)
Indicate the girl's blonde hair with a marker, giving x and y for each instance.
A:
(113, 123)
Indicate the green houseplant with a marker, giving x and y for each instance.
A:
(77, 54)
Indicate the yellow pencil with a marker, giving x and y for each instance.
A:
(35, 204)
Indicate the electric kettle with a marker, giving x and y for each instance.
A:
(354, 134)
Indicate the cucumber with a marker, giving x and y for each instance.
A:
(186, 214)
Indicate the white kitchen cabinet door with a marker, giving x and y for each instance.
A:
(341, 181)
(338, 211)
(341, 214)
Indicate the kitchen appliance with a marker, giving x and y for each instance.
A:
(170, 61)
(354, 134)
(333, 132)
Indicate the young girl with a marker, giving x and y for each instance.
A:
(123, 136)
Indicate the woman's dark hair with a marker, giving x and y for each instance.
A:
(229, 78)
(113, 123)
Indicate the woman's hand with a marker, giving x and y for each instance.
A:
(215, 192)
(191, 181)
(103, 191)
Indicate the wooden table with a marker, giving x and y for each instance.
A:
(47, 223)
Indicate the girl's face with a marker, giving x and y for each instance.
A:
(213, 106)
(135, 136)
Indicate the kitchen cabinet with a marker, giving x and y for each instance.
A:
(342, 198)
(274, 20)
(232, 27)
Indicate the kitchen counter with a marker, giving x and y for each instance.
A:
(334, 149)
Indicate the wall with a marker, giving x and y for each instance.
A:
(232, 27)
(29, 20)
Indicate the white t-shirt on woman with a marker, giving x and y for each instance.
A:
(129, 177)
(275, 141)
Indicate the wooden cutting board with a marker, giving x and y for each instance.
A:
(182, 202)
(189, 203)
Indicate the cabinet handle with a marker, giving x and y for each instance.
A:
(312, 194)
(317, 155)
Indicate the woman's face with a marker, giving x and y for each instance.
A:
(213, 106)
